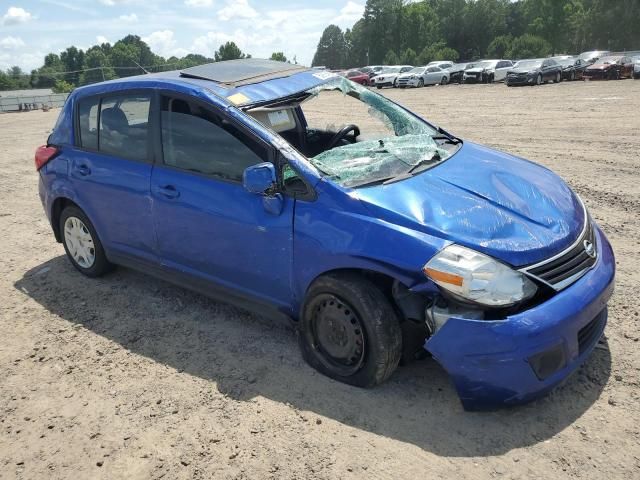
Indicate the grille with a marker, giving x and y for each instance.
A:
(590, 333)
(564, 269)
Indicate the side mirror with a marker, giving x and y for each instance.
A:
(259, 178)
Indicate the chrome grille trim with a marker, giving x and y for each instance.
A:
(568, 266)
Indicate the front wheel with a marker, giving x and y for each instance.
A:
(349, 331)
(81, 243)
(539, 80)
(421, 83)
(444, 81)
(573, 76)
(558, 77)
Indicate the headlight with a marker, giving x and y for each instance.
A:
(478, 278)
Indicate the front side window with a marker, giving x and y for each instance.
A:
(197, 140)
(124, 126)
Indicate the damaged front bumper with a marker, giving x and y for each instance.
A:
(516, 360)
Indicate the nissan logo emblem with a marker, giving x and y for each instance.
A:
(590, 249)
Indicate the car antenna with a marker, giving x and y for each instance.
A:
(143, 69)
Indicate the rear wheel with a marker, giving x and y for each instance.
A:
(444, 81)
(81, 243)
(558, 77)
(349, 331)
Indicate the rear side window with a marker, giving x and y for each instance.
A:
(117, 125)
(88, 113)
(196, 139)
(124, 126)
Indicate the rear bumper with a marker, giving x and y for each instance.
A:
(514, 361)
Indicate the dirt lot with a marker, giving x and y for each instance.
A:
(130, 377)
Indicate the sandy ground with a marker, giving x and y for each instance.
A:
(130, 377)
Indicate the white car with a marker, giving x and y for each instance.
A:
(388, 76)
(488, 71)
(421, 76)
(441, 64)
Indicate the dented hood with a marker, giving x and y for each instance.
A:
(504, 206)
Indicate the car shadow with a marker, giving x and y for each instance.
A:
(245, 356)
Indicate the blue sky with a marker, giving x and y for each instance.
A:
(30, 29)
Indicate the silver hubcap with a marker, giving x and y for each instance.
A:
(79, 242)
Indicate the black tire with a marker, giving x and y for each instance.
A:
(491, 79)
(443, 81)
(334, 305)
(421, 83)
(573, 75)
(100, 265)
(378, 87)
(558, 78)
(539, 80)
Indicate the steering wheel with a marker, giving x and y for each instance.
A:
(342, 135)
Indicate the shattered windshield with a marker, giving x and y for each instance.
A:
(390, 141)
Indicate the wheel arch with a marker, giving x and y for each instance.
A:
(57, 206)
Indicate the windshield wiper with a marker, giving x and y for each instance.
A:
(444, 135)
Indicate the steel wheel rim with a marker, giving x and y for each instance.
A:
(338, 335)
(79, 242)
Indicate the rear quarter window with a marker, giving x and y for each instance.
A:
(88, 122)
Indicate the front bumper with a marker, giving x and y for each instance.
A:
(411, 82)
(492, 363)
(520, 80)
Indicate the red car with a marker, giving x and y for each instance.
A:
(610, 68)
(358, 77)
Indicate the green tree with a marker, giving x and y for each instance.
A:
(409, 57)
(62, 86)
(72, 60)
(500, 47)
(279, 57)
(437, 52)
(228, 51)
(99, 65)
(529, 46)
(391, 58)
(331, 49)
(5, 82)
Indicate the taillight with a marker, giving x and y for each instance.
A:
(44, 154)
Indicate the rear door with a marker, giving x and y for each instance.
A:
(501, 70)
(110, 170)
(208, 226)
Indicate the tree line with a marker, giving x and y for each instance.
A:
(415, 33)
(129, 56)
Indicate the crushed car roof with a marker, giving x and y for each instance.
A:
(241, 83)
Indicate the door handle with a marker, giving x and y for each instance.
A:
(83, 170)
(168, 191)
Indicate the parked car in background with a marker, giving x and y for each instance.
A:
(636, 68)
(421, 76)
(456, 71)
(488, 71)
(613, 67)
(572, 68)
(534, 72)
(593, 56)
(441, 64)
(389, 75)
(375, 240)
(357, 76)
(372, 70)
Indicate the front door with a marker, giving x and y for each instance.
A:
(208, 226)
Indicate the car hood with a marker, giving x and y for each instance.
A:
(523, 70)
(409, 75)
(475, 70)
(501, 205)
(600, 66)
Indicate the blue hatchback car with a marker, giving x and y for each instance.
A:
(297, 193)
